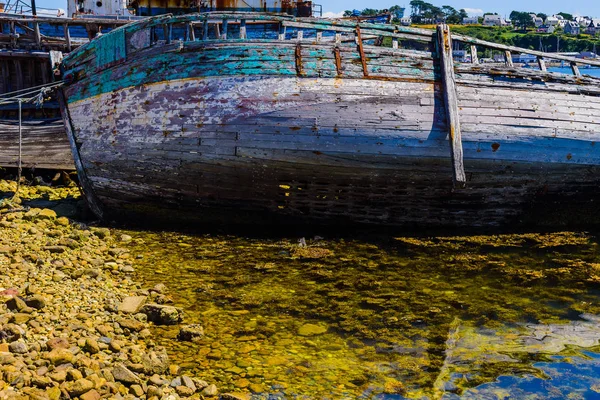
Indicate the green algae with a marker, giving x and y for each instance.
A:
(396, 315)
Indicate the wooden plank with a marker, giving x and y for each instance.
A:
(508, 59)
(542, 64)
(474, 57)
(361, 51)
(575, 70)
(243, 29)
(451, 104)
(37, 35)
(67, 37)
(225, 26)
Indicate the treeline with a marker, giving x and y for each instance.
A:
(421, 11)
(367, 12)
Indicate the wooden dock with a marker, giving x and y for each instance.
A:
(45, 145)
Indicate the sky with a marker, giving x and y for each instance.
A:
(332, 7)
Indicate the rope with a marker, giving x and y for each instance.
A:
(37, 97)
(20, 153)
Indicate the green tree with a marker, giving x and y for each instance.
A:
(567, 16)
(521, 19)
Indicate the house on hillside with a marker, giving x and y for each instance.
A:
(405, 21)
(545, 29)
(587, 55)
(493, 20)
(470, 21)
(538, 21)
(572, 28)
(551, 21)
(594, 27)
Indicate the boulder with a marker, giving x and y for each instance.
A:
(163, 315)
(132, 304)
(191, 333)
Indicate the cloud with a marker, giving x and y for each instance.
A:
(340, 14)
(474, 11)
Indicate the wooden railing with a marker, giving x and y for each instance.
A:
(31, 25)
(336, 28)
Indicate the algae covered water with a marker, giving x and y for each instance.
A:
(509, 316)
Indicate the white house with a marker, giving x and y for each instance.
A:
(552, 21)
(538, 21)
(405, 21)
(493, 20)
(470, 21)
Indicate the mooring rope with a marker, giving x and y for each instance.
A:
(35, 95)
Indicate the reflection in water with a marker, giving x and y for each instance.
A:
(442, 317)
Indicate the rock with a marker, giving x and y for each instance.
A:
(46, 213)
(74, 374)
(191, 333)
(131, 324)
(53, 393)
(311, 330)
(127, 269)
(132, 304)
(136, 390)
(79, 387)
(101, 233)
(18, 347)
(210, 390)
(62, 221)
(36, 301)
(91, 346)
(184, 391)
(256, 388)
(55, 249)
(16, 304)
(154, 391)
(159, 288)
(126, 238)
(91, 395)
(157, 380)
(162, 315)
(59, 356)
(188, 382)
(4, 348)
(58, 343)
(124, 375)
(156, 362)
(235, 396)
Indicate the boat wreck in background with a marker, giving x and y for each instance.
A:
(186, 117)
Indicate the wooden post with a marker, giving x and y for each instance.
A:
(299, 70)
(451, 103)
(508, 59)
(319, 35)
(281, 32)
(217, 31)
(67, 37)
(192, 33)
(361, 51)
(300, 36)
(224, 33)
(243, 29)
(205, 30)
(37, 34)
(338, 61)
(542, 64)
(394, 43)
(19, 74)
(474, 57)
(13, 35)
(575, 70)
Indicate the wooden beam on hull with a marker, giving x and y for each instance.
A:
(451, 103)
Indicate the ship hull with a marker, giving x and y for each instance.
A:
(194, 141)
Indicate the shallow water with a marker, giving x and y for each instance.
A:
(380, 317)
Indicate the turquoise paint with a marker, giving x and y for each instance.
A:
(112, 49)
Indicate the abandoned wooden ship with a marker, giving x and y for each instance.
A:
(187, 117)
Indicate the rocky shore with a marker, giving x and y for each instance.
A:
(73, 322)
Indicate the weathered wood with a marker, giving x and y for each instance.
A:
(508, 59)
(37, 34)
(67, 37)
(224, 32)
(243, 29)
(542, 64)
(575, 70)
(474, 58)
(451, 104)
(361, 51)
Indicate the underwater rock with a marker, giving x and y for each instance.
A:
(311, 330)
(190, 333)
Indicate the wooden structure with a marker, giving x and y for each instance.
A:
(187, 117)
